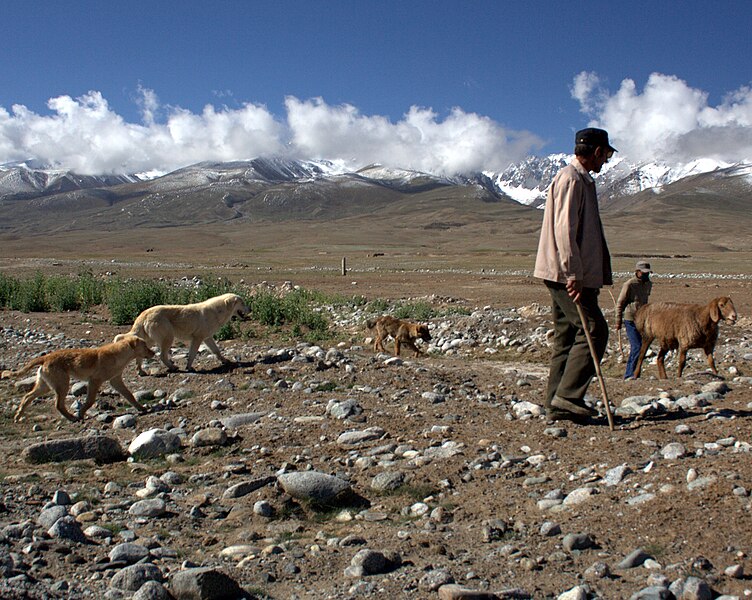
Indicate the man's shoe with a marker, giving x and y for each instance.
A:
(555, 415)
(572, 407)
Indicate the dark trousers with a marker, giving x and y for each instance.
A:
(572, 367)
(635, 342)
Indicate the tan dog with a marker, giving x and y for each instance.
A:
(194, 323)
(404, 333)
(93, 365)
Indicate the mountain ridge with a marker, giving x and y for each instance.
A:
(273, 189)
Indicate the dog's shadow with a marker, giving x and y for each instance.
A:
(224, 368)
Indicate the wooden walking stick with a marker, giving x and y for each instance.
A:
(618, 331)
(597, 363)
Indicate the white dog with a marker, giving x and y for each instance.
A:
(194, 323)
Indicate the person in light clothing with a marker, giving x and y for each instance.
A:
(634, 293)
(574, 263)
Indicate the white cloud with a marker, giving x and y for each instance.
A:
(462, 142)
(85, 135)
(668, 119)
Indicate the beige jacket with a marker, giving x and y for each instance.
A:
(634, 293)
(572, 245)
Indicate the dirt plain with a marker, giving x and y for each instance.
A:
(488, 530)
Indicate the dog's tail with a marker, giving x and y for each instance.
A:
(371, 323)
(23, 370)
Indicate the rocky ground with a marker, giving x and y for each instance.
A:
(330, 471)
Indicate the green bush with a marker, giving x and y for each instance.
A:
(8, 289)
(61, 294)
(300, 311)
(127, 299)
(90, 290)
(30, 295)
(58, 293)
(378, 305)
(419, 311)
(266, 309)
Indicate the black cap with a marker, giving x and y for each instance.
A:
(593, 136)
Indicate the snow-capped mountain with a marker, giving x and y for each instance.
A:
(299, 184)
(30, 178)
(526, 182)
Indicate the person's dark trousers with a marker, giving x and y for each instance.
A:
(572, 367)
(635, 341)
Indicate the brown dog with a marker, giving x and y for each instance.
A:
(195, 323)
(403, 332)
(93, 365)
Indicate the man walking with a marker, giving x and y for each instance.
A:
(634, 293)
(574, 263)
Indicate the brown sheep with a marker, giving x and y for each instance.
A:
(682, 326)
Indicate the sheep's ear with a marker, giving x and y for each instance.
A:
(715, 313)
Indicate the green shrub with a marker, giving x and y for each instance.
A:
(90, 290)
(266, 309)
(419, 311)
(378, 305)
(127, 299)
(30, 295)
(8, 289)
(61, 294)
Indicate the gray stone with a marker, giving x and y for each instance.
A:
(673, 451)
(434, 579)
(100, 448)
(262, 508)
(204, 583)
(372, 562)
(550, 529)
(389, 480)
(125, 422)
(701, 482)
(616, 475)
(638, 400)
(312, 485)
(734, 571)
(576, 593)
(153, 443)
(211, 436)
(356, 437)
(61, 498)
(152, 507)
(634, 559)
(67, 528)
(128, 552)
(653, 593)
(246, 487)
(152, 590)
(640, 499)
(433, 397)
(239, 420)
(598, 570)
(578, 496)
(343, 410)
(49, 516)
(453, 591)
(577, 541)
(133, 577)
(716, 387)
(79, 389)
(448, 449)
(692, 588)
(555, 432)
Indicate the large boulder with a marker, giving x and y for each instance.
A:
(100, 448)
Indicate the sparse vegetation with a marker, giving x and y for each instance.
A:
(299, 312)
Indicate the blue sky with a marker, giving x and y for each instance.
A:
(443, 86)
